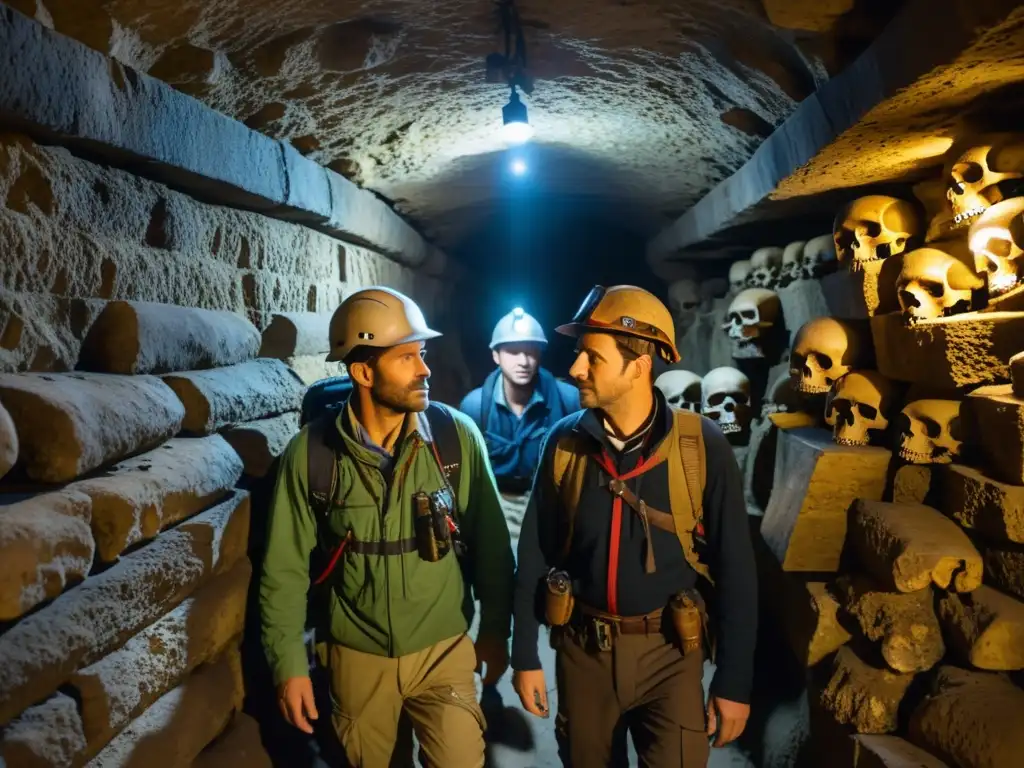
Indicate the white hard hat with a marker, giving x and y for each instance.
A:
(517, 327)
(376, 317)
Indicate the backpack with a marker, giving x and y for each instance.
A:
(687, 476)
(324, 445)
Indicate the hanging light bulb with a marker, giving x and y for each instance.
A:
(516, 126)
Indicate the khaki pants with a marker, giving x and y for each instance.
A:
(644, 684)
(435, 687)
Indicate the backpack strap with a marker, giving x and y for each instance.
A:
(568, 468)
(687, 476)
(323, 447)
(447, 446)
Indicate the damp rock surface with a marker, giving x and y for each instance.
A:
(46, 546)
(84, 624)
(149, 337)
(971, 719)
(258, 443)
(908, 547)
(863, 696)
(136, 498)
(904, 624)
(221, 397)
(71, 423)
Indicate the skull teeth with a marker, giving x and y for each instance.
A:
(962, 219)
(729, 428)
(919, 457)
(849, 441)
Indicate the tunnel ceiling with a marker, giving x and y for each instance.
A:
(642, 106)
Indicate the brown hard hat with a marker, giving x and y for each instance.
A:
(376, 317)
(627, 311)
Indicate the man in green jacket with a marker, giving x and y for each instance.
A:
(397, 619)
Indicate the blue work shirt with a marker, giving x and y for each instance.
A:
(514, 442)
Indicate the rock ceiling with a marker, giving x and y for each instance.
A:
(644, 104)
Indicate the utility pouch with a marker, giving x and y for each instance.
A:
(687, 621)
(558, 600)
(436, 531)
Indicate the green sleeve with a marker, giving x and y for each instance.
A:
(490, 547)
(284, 582)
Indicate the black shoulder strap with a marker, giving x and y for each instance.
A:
(446, 440)
(321, 462)
(487, 398)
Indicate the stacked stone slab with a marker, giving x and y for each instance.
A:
(124, 590)
(900, 585)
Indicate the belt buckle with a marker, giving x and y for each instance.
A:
(603, 634)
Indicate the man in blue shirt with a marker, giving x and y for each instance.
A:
(518, 402)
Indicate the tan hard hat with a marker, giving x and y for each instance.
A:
(376, 317)
(628, 311)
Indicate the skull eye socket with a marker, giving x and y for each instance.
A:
(971, 173)
(935, 290)
(867, 411)
(740, 398)
(931, 427)
(872, 228)
(716, 399)
(823, 361)
(689, 304)
(1000, 247)
(748, 314)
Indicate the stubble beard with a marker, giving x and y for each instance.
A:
(412, 398)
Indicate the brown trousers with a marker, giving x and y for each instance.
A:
(644, 685)
(433, 688)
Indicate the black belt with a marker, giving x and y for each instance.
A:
(400, 547)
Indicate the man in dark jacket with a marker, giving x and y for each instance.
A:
(518, 402)
(629, 650)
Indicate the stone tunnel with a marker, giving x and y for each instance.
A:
(828, 196)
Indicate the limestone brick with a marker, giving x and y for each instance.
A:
(991, 508)
(816, 480)
(908, 547)
(971, 718)
(71, 423)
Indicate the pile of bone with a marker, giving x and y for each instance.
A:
(124, 573)
(929, 605)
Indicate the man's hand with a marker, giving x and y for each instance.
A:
(295, 698)
(727, 719)
(494, 653)
(529, 684)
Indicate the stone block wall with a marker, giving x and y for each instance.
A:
(154, 351)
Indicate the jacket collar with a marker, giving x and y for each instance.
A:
(362, 446)
(591, 423)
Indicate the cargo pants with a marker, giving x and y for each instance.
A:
(644, 685)
(434, 688)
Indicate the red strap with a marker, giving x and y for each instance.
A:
(605, 462)
(334, 562)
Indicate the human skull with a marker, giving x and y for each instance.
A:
(751, 315)
(975, 169)
(739, 271)
(726, 399)
(684, 301)
(765, 264)
(819, 257)
(682, 389)
(930, 431)
(792, 263)
(873, 228)
(824, 350)
(934, 284)
(997, 242)
(859, 408)
(782, 397)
